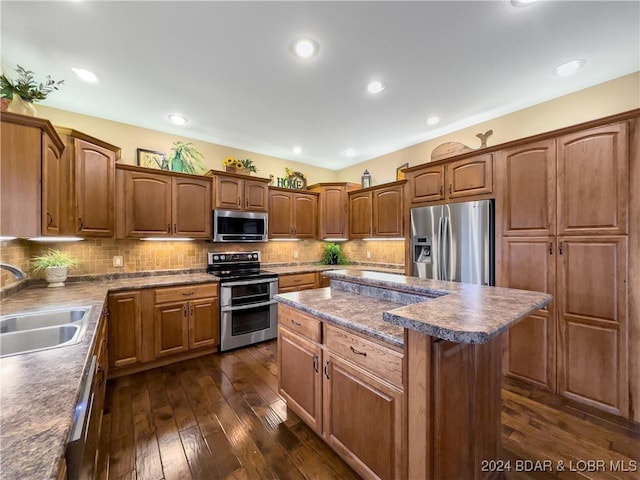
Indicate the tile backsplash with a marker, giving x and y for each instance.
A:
(96, 255)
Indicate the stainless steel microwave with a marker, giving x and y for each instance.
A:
(233, 226)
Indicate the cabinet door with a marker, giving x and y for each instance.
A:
(387, 212)
(125, 329)
(593, 185)
(427, 185)
(147, 204)
(256, 196)
(170, 328)
(95, 189)
(204, 323)
(528, 177)
(305, 215)
(333, 212)
(592, 314)
(53, 188)
(228, 193)
(280, 214)
(369, 436)
(472, 176)
(299, 377)
(191, 207)
(20, 176)
(360, 215)
(529, 264)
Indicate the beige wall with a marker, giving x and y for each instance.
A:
(616, 96)
(129, 138)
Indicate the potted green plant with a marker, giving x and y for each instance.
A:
(185, 158)
(56, 266)
(333, 255)
(25, 90)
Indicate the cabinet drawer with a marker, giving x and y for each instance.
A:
(298, 322)
(180, 294)
(297, 280)
(377, 359)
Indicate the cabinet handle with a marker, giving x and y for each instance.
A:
(186, 294)
(238, 201)
(560, 248)
(192, 311)
(357, 352)
(100, 375)
(185, 310)
(81, 224)
(375, 230)
(441, 189)
(550, 248)
(49, 219)
(293, 322)
(168, 228)
(326, 369)
(315, 362)
(450, 188)
(175, 227)
(297, 280)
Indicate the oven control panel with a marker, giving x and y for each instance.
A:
(232, 257)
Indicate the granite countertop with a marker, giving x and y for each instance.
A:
(39, 390)
(287, 269)
(452, 311)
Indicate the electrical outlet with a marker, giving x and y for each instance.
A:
(118, 261)
(368, 254)
(295, 254)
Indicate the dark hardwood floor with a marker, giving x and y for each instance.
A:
(220, 417)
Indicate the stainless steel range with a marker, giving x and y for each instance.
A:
(248, 313)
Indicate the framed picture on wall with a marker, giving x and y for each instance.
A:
(152, 159)
(399, 172)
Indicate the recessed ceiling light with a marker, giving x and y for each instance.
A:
(305, 48)
(297, 150)
(178, 119)
(351, 152)
(523, 3)
(569, 68)
(433, 121)
(375, 87)
(85, 75)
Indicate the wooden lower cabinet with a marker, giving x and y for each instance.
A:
(296, 282)
(125, 328)
(356, 411)
(170, 322)
(299, 362)
(362, 418)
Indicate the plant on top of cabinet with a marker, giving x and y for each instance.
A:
(236, 165)
(24, 91)
(185, 158)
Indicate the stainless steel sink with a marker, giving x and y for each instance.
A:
(30, 332)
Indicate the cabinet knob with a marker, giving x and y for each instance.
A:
(185, 310)
(100, 375)
(192, 311)
(175, 227)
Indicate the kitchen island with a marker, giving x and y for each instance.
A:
(400, 376)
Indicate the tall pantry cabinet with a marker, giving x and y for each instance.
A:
(564, 230)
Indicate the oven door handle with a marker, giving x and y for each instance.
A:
(248, 282)
(246, 307)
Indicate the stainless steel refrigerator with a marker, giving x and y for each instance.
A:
(454, 242)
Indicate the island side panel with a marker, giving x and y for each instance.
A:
(453, 407)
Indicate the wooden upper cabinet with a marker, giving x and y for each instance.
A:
(228, 193)
(593, 185)
(30, 145)
(256, 196)
(164, 204)
(54, 188)
(360, 214)
(427, 185)
(292, 214)
(147, 205)
(191, 207)
(333, 216)
(471, 176)
(388, 212)
(593, 328)
(528, 178)
(281, 213)
(94, 189)
(237, 193)
(377, 211)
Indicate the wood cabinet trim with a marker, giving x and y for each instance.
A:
(41, 123)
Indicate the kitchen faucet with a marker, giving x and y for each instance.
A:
(19, 274)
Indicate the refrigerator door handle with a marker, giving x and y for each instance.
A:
(446, 250)
(440, 252)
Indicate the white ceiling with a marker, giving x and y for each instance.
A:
(227, 66)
